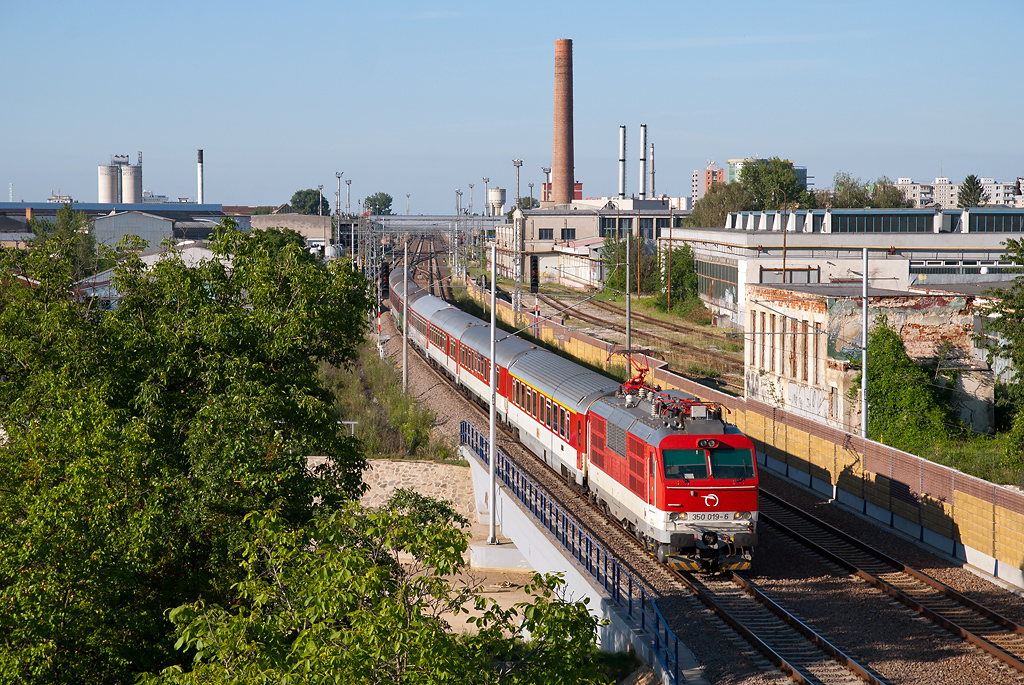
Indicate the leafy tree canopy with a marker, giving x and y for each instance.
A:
(138, 439)
(378, 203)
(772, 184)
(683, 277)
(70, 233)
(1006, 325)
(277, 239)
(308, 201)
(362, 597)
(908, 408)
(722, 198)
(851, 192)
(613, 252)
(972, 193)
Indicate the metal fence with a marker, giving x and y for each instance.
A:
(623, 590)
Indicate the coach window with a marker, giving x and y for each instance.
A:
(561, 421)
(579, 432)
(547, 414)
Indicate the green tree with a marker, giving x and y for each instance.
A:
(907, 408)
(70, 233)
(1004, 336)
(722, 198)
(850, 192)
(972, 193)
(683, 276)
(378, 203)
(308, 201)
(138, 440)
(277, 239)
(771, 183)
(361, 597)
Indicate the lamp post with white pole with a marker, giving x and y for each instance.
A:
(492, 538)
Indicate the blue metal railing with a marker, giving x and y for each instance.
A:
(627, 593)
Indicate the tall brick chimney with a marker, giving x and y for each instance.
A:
(562, 165)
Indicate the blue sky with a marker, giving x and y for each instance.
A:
(421, 98)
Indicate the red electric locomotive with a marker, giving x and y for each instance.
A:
(666, 465)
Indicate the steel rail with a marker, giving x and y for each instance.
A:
(734, 367)
(784, 662)
(891, 590)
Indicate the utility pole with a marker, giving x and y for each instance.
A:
(492, 538)
(405, 319)
(471, 199)
(629, 320)
(531, 194)
(864, 351)
(544, 195)
(348, 196)
(407, 195)
(487, 204)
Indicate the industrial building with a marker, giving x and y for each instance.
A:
(908, 248)
(800, 341)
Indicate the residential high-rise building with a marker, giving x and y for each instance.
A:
(701, 180)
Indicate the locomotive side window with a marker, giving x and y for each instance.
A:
(732, 463)
(685, 464)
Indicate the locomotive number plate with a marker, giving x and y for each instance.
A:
(711, 516)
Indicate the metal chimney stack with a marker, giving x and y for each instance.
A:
(562, 164)
(622, 162)
(643, 161)
(199, 164)
(653, 194)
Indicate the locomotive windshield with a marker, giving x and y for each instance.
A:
(732, 463)
(685, 464)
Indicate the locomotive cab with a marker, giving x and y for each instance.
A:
(706, 490)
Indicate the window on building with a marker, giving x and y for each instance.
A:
(607, 227)
(546, 234)
(761, 365)
(753, 338)
(568, 234)
(804, 350)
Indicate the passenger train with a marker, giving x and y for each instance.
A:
(666, 465)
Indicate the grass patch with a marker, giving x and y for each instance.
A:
(392, 425)
(983, 456)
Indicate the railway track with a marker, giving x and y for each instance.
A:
(788, 643)
(985, 629)
(676, 327)
(732, 369)
(795, 649)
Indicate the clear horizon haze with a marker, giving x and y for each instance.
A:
(422, 99)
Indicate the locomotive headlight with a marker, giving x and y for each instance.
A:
(742, 515)
(677, 516)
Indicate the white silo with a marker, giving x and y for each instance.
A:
(496, 200)
(110, 180)
(131, 184)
